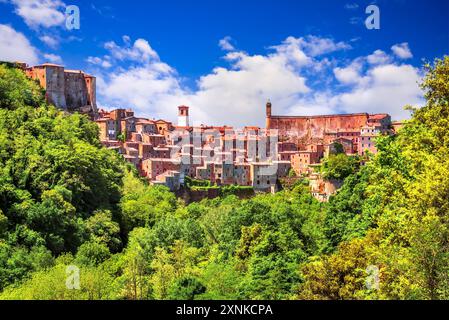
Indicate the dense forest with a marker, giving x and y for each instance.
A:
(67, 201)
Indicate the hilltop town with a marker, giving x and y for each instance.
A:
(168, 154)
(219, 158)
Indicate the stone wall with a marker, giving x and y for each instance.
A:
(55, 86)
(51, 78)
(75, 90)
(315, 127)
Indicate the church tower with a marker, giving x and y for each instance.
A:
(183, 116)
(268, 111)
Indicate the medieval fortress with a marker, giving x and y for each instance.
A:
(71, 90)
(167, 153)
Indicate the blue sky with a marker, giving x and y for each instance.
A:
(226, 58)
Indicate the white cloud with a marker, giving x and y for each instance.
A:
(383, 89)
(292, 49)
(236, 94)
(316, 46)
(50, 41)
(349, 74)
(155, 89)
(378, 57)
(103, 62)
(402, 50)
(376, 85)
(40, 13)
(14, 46)
(225, 44)
(53, 58)
(387, 90)
(152, 90)
(140, 51)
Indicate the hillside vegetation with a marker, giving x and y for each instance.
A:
(66, 201)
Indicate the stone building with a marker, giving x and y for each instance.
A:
(348, 129)
(317, 127)
(264, 176)
(303, 159)
(154, 167)
(71, 90)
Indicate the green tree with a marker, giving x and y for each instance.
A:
(92, 253)
(402, 197)
(339, 166)
(104, 230)
(3, 224)
(186, 288)
(16, 90)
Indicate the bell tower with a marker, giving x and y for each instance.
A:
(268, 114)
(183, 116)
